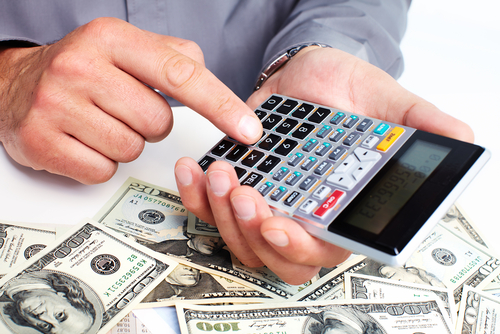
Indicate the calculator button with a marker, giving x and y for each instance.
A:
(303, 130)
(308, 183)
(252, 180)
(271, 121)
(364, 125)
(240, 172)
(286, 147)
(296, 159)
(265, 188)
(324, 131)
(237, 153)
(252, 158)
(308, 206)
(390, 139)
(338, 135)
(292, 198)
(361, 170)
(310, 145)
(366, 155)
(337, 118)
(322, 192)
(272, 102)
(342, 180)
(294, 178)
(267, 165)
(319, 115)
(287, 106)
(309, 163)
(351, 139)
(205, 162)
(281, 173)
(323, 149)
(278, 193)
(322, 168)
(337, 153)
(303, 110)
(222, 148)
(286, 126)
(261, 114)
(370, 141)
(329, 203)
(269, 142)
(345, 166)
(351, 121)
(381, 129)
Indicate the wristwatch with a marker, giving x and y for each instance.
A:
(280, 61)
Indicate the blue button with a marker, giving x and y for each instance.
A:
(381, 129)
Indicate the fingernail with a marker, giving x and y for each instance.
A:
(244, 207)
(276, 237)
(184, 175)
(219, 182)
(250, 128)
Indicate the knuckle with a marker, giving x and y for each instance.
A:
(181, 72)
(129, 147)
(192, 50)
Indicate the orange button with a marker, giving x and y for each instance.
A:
(391, 137)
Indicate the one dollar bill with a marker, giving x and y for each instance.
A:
(479, 312)
(340, 316)
(144, 211)
(84, 282)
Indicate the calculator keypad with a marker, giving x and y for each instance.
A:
(311, 160)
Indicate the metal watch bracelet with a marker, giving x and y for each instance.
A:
(280, 61)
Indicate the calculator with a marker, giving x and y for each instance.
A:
(370, 186)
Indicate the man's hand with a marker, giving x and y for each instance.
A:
(79, 106)
(324, 76)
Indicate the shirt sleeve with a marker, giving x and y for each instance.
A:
(369, 29)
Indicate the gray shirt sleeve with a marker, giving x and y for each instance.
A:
(238, 37)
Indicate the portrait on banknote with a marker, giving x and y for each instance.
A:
(48, 301)
(346, 320)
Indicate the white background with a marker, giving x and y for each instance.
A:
(452, 54)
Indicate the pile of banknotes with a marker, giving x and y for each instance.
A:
(143, 253)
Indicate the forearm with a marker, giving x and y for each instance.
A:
(371, 32)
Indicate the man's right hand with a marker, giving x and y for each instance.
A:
(79, 106)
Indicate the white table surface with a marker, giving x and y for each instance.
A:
(452, 55)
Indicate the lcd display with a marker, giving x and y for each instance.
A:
(389, 194)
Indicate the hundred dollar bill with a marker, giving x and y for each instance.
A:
(339, 316)
(374, 288)
(458, 221)
(197, 226)
(443, 259)
(479, 313)
(145, 211)
(130, 325)
(21, 241)
(197, 287)
(84, 282)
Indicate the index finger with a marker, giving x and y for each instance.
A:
(186, 80)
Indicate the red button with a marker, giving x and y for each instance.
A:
(329, 203)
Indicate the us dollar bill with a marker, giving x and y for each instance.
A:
(339, 316)
(197, 226)
(130, 324)
(478, 312)
(21, 241)
(374, 288)
(190, 284)
(458, 221)
(84, 282)
(443, 259)
(145, 211)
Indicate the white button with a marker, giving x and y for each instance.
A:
(347, 164)
(342, 180)
(322, 192)
(370, 141)
(362, 169)
(308, 206)
(366, 155)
